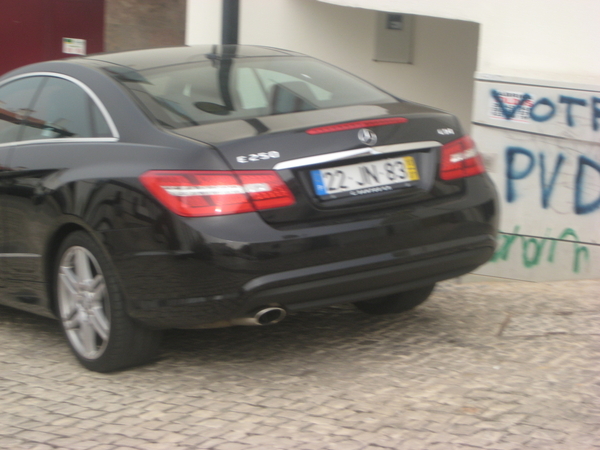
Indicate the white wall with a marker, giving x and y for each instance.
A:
(540, 39)
(445, 51)
(203, 22)
(544, 156)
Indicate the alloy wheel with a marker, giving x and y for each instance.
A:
(83, 302)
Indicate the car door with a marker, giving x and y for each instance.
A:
(61, 119)
(5, 150)
(16, 96)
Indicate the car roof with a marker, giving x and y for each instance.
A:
(160, 57)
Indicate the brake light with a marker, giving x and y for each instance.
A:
(356, 125)
(460, 159)
(214, 193)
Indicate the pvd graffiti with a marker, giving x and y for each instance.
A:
(534, 251)
(520, 164)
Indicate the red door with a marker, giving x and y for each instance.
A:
(39, 30)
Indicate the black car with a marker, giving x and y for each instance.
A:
(204, 186)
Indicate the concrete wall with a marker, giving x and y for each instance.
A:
(542, 143)
(136, 24)
(203, 22)
(445, 51)
(538, 39)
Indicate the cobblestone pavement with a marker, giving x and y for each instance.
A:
(480, 365)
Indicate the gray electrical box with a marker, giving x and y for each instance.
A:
(394, 36)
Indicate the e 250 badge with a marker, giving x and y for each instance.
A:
(254, 157)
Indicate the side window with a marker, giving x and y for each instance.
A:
(64, 110)
(99, 126)
(15, 100)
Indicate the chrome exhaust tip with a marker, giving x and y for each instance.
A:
(270, 315)
(265, 316)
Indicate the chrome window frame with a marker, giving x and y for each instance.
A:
(107, 117)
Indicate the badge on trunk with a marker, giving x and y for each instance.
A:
(367, 137)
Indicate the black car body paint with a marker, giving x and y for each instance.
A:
(188, 272)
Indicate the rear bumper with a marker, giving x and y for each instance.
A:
(191, 272)
(364, 279)
(314, 286)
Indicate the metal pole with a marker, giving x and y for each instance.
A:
(231, 13)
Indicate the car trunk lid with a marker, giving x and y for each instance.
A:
(342, 160)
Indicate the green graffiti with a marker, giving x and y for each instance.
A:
(531, 260)
(578, 248)
(532, 248)
(504, 248)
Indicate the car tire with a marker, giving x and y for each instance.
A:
(92, 311)
(396, 303)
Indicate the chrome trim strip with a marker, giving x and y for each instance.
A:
(86, 89)
(382, 149)
(319, 159)
(19, 255)
(405, 147)
(59, 140)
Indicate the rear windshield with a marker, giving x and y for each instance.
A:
(191, 94)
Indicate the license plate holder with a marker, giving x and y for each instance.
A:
(370, 177)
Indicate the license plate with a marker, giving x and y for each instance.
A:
(365, 178)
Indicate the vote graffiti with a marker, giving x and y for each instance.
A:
(532, 249)
(521, 162)
(545, 109)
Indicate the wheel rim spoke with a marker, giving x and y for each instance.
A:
(99, 322)
(98, 287)
(68, 280)
(82, 266)
(71, 324)
(88, 337)
(72, 321)
(69, 291)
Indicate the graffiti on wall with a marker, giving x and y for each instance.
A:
(522, 106)
(534, 251)
(543, 145)
(520, 163)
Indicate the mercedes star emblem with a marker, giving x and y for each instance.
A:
(367, 137)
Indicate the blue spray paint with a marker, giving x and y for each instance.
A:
(518, 168)
(512, 173)
(507, 112)
(548, 187)
(543, 118)
(595, 113)
(580, 206)
(570, 101)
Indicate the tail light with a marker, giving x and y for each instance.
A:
(460, 159)
(215, 193)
